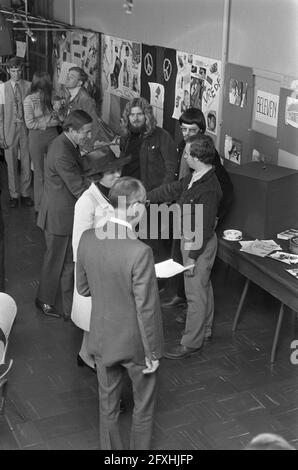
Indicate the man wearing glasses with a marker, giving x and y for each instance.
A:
(192, 122)
(117, 270)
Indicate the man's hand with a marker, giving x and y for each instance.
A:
(152, 366)
(191, 271)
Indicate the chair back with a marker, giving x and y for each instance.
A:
(8, 310)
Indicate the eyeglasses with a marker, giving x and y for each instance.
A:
(146, 203)
(191, 131)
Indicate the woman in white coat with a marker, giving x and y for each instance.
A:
(92, 210)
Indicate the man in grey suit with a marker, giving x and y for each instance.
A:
(117, 270)
(14, 134)
(64, 184)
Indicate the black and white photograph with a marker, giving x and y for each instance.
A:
(135, 137)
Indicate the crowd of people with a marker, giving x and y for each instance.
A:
(89, 203)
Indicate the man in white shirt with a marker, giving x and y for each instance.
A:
(14, 135)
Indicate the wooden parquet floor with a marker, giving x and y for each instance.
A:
(217, 399)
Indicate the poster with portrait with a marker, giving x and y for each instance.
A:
(157, 94)
(78, 48)
(122, 64)
(238, 93)
(198, 84)
(233, 149)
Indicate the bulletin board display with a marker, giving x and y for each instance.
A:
(77, 48)
(237, 114)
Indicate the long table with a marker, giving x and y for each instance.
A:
(268, 273)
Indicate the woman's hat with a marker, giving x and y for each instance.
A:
(102, 160)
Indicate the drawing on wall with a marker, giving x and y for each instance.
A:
(238, 93)
(198, 84)
(233, 149)
(122, 66)
(157, 93)
(81, 49)
(291, 112)
(211, 121)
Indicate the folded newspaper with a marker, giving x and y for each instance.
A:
(284, 257)
(170, 268)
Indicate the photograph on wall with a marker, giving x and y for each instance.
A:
(81, 49)
(157, 93)
(198, 83)
(238, 93)
(233, 149)
(122, 66)
(266, 107)
(292, 111)
(182, 91)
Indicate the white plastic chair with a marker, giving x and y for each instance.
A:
(8, 311)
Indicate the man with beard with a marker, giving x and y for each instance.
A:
(153, 152)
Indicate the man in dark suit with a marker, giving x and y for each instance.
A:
(117, 270)
(64, 184)
(2, 269)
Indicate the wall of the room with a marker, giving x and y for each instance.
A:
(263, 33)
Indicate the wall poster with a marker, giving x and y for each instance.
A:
(198, 84)
(266, 108)
(77, 48)
(122, 64)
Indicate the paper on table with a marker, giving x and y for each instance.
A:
(259, 247)
(169, 268)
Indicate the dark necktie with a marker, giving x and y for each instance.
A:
(18, 101)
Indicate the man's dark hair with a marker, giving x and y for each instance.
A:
(202, 147)
(14, 62)
(194, 116)
(76, 119)
(127, 189)
(82, 74)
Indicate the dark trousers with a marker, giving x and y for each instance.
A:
(57, 271)
(39, 141)
(144, 394)
(2, 269)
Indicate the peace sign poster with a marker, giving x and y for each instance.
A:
(122, 61)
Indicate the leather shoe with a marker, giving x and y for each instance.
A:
(47, 309)
(174, 301)
(13, 202)
(27, 201)
(180, 352)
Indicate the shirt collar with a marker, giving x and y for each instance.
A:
(121, 222)
(197, 175)
(70, 139)
(73, 92)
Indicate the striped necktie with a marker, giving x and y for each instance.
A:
(18, 101)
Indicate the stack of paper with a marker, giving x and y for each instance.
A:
(170, 268)
(259, 247)
(288, 234)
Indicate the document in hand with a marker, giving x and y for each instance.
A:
(170, 268)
